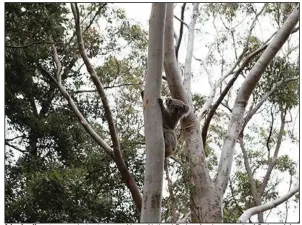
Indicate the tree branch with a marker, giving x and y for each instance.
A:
(255, 210)
(256, 196)
(14, 147)
(270, 131)
(106, 87)
(131, 184)
(190, 48)
(250, 114)
(181, 21)
(244, 93)
(58, 63)
(172, 197)
(33, 43)
(203, 190)
(226, 90)
(79, 115)
(182, 16)
(274, 158)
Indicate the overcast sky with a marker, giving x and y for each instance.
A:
(141, 13)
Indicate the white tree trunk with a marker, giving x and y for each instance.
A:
(205, 201)
(235, 126)
(189, 56)
(153, 183)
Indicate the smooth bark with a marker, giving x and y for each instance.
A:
(153, 183)
(188, 62)
(258, 209)
(236, 123)
(205, 203)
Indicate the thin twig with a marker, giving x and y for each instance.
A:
(183, 22)
(33, 43)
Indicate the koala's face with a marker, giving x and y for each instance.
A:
(170, 105)
(177, 107)
(168, 102)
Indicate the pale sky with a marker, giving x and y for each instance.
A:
(140, 12)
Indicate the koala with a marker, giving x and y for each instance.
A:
(171, 115)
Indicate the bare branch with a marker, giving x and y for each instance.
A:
(14, 147)
(95, 79)
(181, 21)
(253, 25)
(58, 63)
(132, 186)
(34, 43)
(180, 29)
(286, 203)
(274, 158)
(255, 210)
(209, 101)
(244, 93)
(226, 90)
(264, 98)
(188, 61)
(80, 116)
(256, 197)
(106, 87)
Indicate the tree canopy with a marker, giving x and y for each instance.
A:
(75, 148)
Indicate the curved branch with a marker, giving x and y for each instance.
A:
(226, 90)
(95, 78)
(182, 16)
(250, 114)
(244, 93)
(258, 209)
(79, 115)
(270, 132)
(127, 177)
(274, 158)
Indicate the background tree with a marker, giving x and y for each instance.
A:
(61, 169)
(57, 161)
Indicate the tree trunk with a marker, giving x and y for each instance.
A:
(205, 203)
(236, 123)
(153, 183)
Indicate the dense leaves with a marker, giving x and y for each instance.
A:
(55, 172)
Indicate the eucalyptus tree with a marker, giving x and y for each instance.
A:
(54, 171)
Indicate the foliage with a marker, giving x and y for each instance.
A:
(60, 174)
(55, 172)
